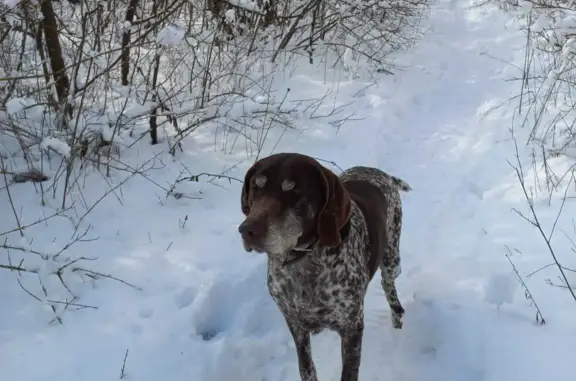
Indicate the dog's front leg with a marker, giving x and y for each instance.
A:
(304, 352)
(351, 342)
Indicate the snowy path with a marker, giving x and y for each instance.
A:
(428, 130)
(205, 314)
(430, 135)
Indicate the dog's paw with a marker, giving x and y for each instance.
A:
(397, 322)
(397, 314)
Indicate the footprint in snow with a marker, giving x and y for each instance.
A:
(185, 298)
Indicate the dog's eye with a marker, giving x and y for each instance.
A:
(288, 185)
(300, 204)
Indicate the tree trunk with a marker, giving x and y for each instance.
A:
(125, 65)
(55, 52)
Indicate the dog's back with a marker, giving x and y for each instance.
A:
(378, 196)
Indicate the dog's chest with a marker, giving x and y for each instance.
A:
(318, 294)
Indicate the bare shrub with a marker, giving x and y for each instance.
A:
(168, 66)
(543, 129)
(83, 81)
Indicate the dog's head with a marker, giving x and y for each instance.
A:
(290, 200)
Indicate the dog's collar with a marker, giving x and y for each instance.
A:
(299, 253)
(296, 255)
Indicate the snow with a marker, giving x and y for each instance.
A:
(10, 3)
(57, 145)
(250, 5)
(16, 105)
(501, 289)
(196, 305)
(170, 35)
(230, 15)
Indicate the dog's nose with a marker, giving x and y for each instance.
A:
(250, 228)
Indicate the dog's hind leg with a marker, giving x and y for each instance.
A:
(391, 267)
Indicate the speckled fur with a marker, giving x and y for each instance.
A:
(390, 265)
(326, 289)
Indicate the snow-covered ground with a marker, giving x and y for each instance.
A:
(199, 308)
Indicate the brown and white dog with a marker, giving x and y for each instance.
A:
(325, 237)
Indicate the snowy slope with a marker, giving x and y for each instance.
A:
(202, 311)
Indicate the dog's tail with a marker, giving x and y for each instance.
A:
(401, 184)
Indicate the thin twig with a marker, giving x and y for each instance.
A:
(539, 318)
(122, 371)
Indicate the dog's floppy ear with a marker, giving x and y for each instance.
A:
(336, 210)
(245, 199)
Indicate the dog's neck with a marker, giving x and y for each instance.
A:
(302, 251)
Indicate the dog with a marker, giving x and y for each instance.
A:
(325, 237)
